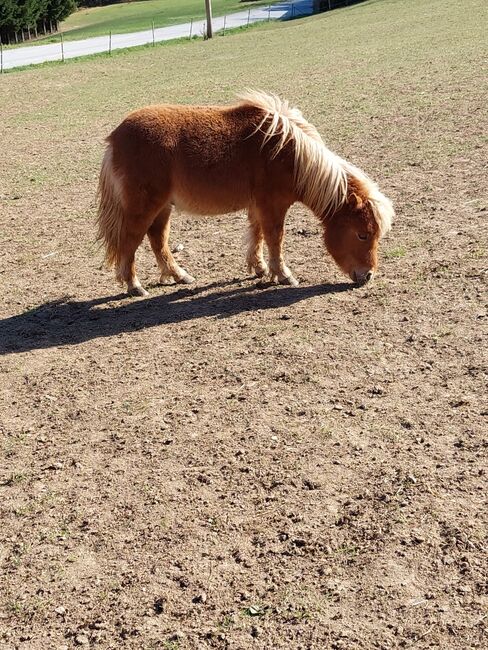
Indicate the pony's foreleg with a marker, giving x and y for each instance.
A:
(273, 224)
(158, 234)
(255, 240)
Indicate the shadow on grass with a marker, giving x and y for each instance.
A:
(69, 322)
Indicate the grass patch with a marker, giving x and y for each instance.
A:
(348, 101)
(14, 479)
(399, 251)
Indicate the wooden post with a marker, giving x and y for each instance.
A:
(1, 55)
(269, 13)
(110, 42)
(153, 32)
(208, 11)
(62, 47)
(223, 31)
(191, 28)
(248, 16)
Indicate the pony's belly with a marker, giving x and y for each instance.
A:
(207, 206)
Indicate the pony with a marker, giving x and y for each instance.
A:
(259, 155)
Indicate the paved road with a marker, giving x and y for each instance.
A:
(21, 56)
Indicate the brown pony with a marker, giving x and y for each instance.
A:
(259, 155)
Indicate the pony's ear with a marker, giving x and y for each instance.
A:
(355, 201)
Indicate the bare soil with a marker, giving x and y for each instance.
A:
(233, 466)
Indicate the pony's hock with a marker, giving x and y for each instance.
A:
(260, 155)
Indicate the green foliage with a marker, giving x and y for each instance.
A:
(17, 15)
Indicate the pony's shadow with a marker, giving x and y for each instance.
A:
(69, 322)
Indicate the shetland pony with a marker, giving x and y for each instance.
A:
(260, 155)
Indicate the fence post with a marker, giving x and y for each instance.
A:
(248, 16)
(293, 10)
(110, 42)
(62, 47)
(153, 32)
(1, 55)
(191, 28)
(269, 13)
(225, 20)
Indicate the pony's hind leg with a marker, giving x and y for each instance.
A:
(126, 267)
(272, 218)
(255, 240)
(158, 234)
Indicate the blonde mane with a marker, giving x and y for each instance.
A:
(321, 176)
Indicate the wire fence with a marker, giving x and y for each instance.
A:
(63, 49)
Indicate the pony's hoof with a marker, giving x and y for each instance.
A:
(186, 279)
(261, 271)
(290, 281)
(137, 291)
(166, 279)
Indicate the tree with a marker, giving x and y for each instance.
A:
(17, 15)
(7, 18)
(60, 9)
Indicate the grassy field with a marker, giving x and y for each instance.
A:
(234, 467)
(138, 16)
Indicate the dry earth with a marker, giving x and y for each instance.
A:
(226, 466)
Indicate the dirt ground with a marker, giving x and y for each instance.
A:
(231, 466)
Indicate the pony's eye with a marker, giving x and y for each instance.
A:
(362, 237)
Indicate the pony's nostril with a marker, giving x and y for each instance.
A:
(361, 277)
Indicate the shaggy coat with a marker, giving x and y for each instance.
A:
(259, 155)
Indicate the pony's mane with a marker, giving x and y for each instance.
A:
(320, 175)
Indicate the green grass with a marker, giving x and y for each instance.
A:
(399, 251)
(138, 16)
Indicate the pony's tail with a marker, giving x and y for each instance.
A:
(111, 216)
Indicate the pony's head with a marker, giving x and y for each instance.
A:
(353, 231)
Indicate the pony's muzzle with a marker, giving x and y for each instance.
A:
(362, 278)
